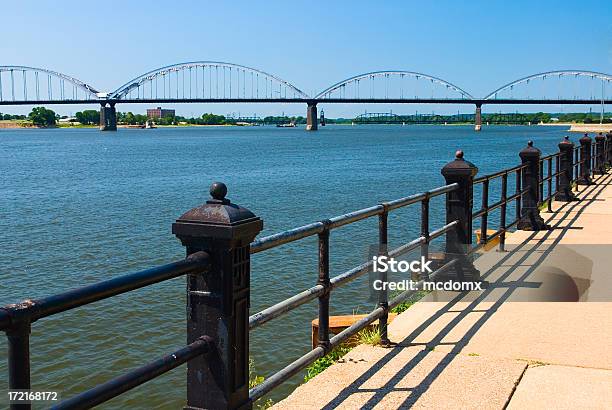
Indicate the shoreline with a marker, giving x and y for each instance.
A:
(572, 127)
(577, 127)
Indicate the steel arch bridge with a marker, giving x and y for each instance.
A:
(39, 85)
(207, 81)
(219, 82)
(577, 93)
(393, 85)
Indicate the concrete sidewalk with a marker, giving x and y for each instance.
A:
(538, 337)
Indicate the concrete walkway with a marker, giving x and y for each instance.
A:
(539, 337)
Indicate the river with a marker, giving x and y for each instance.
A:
(78, 206)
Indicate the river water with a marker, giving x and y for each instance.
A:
(78, 206)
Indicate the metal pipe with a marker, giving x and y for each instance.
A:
(409, 292)
(519, 193)
(351, 274)
(128, 381)
(502, 220)
(355, 216)
(425, 227)
(19, 360)
(400, 250)
(287, 372)
(541, 181)
(285, 306)
(550, 178)
(284, 237)
(441, 231)
(485, 214)
(383, 301)
(324, 281)
(409, 200)
(36, 309)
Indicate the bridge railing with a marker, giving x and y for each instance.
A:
(219, 239)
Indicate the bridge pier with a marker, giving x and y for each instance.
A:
(311, 117)
(478, 118)
(108, 117)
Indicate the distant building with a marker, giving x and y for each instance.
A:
(159, 112)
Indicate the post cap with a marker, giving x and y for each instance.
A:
(459, 167)
(218, 218)
(586, 139)
(566, 143)
(218, 190)
(529, 151)
(599, 137)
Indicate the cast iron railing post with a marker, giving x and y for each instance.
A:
(218, 301)
(530, 213)
(383, 296)
(518, 189)
(609, 149)
(550, 183)
(502, 215)
(425, 230)
(484, 219)
(19, 360)
(541, 181)
(557, 170)
(323, 280)
(577, 165)
(566, 149)
(585, 161)
(459, 205)
(600, 168)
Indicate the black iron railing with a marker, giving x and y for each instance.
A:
(502, 204)
(219, 240)
(16, 320)
(325, 285)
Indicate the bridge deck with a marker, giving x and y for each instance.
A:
(525, 342)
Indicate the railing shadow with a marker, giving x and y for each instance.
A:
(588, 196)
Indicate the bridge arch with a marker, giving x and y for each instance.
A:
(339, 90)
(558, 75)
(23, 83)
(208, 80)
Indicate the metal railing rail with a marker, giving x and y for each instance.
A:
(16, 320)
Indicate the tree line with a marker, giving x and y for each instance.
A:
(44, 117)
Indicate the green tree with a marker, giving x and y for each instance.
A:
(129, 118)
(212, 119)
(88, 117)
(42, 117)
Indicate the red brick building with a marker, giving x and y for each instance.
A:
(159, 112)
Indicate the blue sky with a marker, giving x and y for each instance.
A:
(477, 45)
